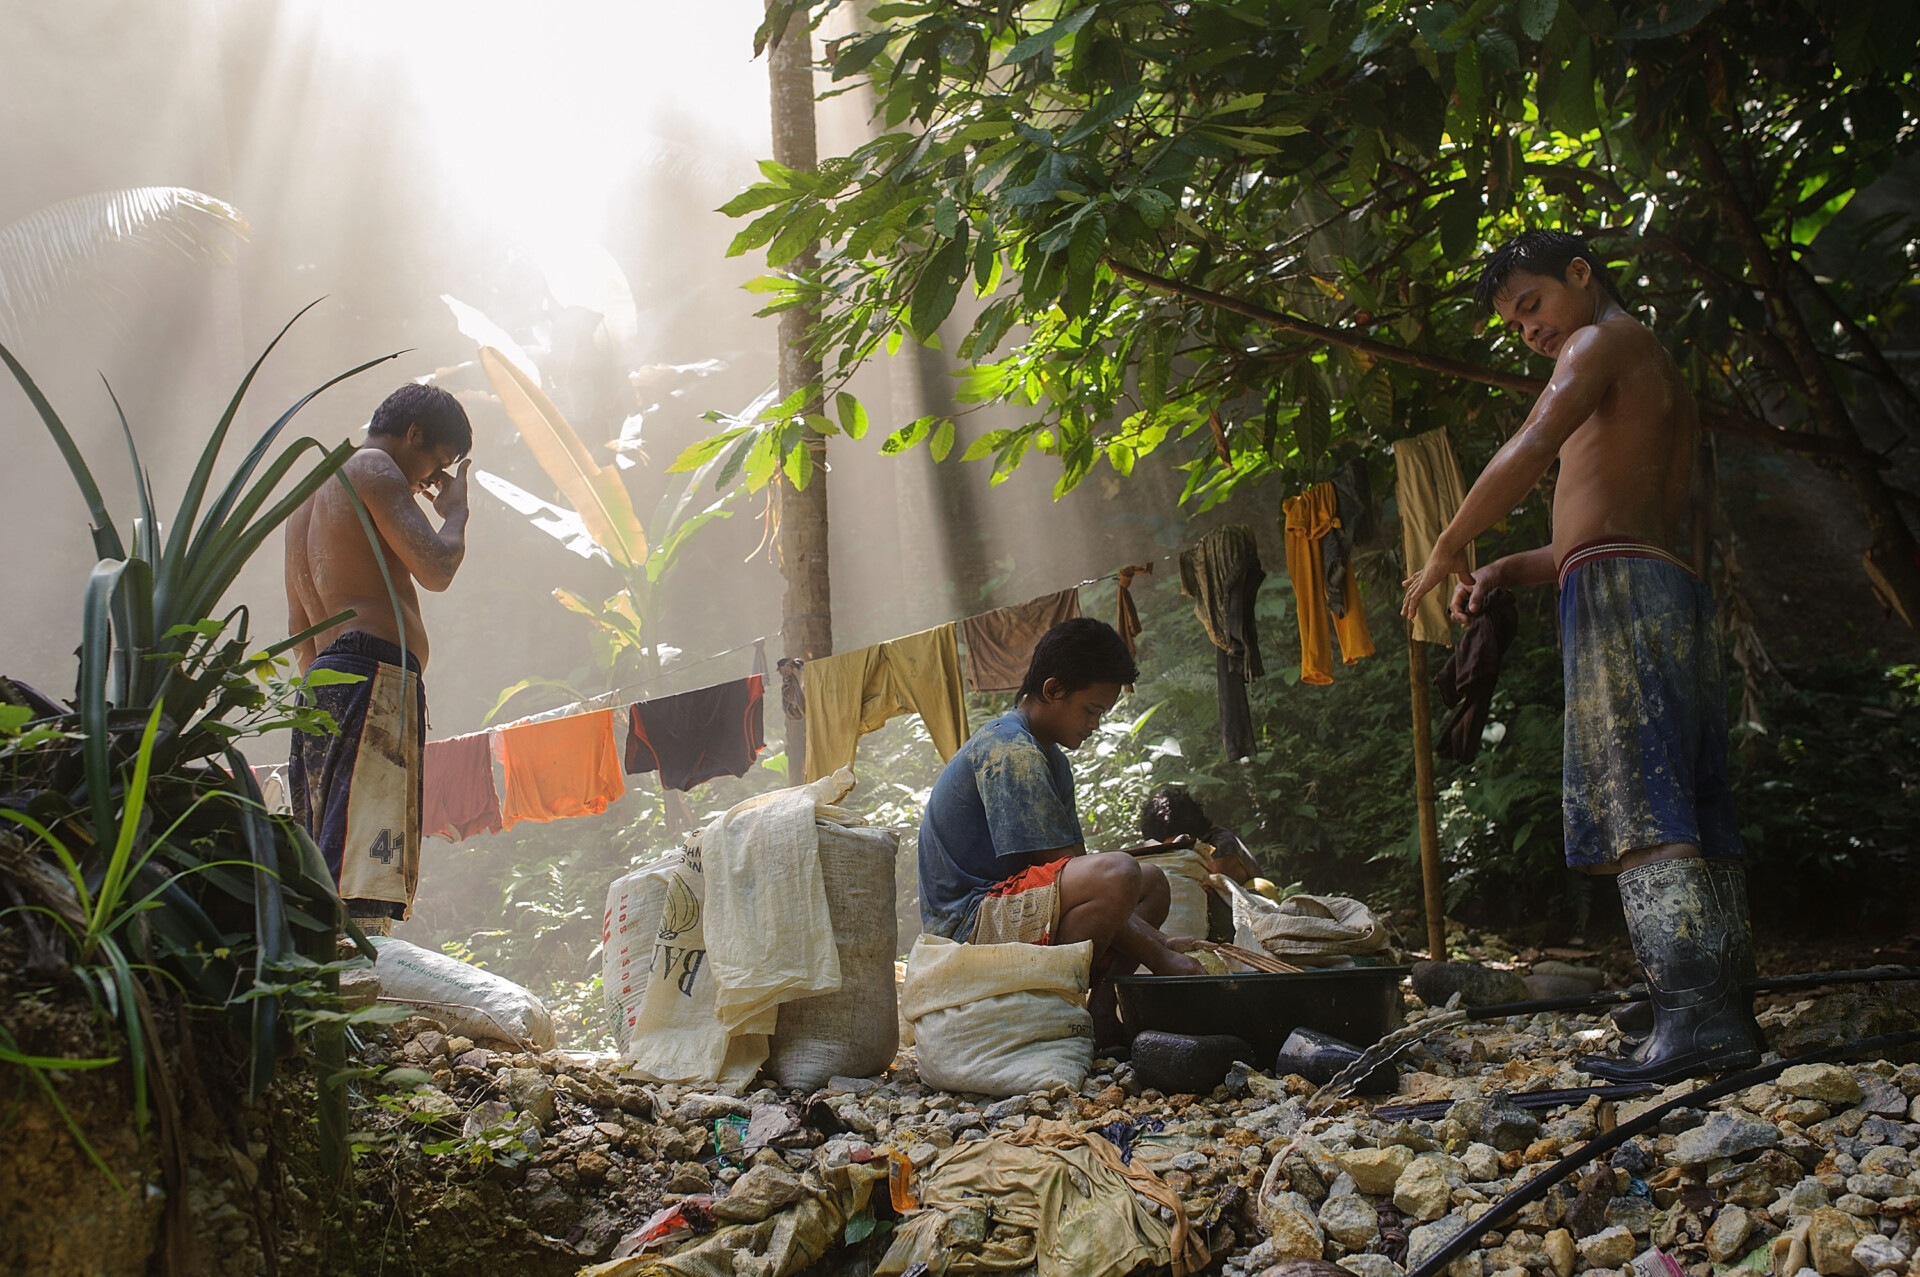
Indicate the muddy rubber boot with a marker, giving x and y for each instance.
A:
(1635, 1019)
(1686, 942)
(1730, 888)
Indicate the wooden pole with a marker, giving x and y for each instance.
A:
(1423, 798)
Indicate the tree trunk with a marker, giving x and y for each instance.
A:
(1892, 560)
(806, 610)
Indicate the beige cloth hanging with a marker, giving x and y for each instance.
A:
(1427, 483)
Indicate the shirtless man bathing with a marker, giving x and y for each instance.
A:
(358, 792)
(1646, 794)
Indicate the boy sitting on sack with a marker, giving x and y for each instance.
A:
(1002, 857)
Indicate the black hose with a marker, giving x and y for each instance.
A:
(1536, 1188)
(1766, 984)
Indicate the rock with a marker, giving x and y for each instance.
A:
(1422, 1191)
(1304, 1268)
(474, 1058)
(359, 987)
(429, 1105)
(1804, 1198)
(1350, 1220)
(1179, 1064)
(592, 1166)
(527, 1090)
(1729, 1232)
(1828, 1083)
(545, 1204)
(1478, 986)
(1291, 1226)
(1802, 1113)
(1481, 1162)
(1882, 1097)
(757, 1194)
(1426, 1240)
(1878, 1187)
(1635, 1214)
(1591, 977)
(698, 1110)
(1559, 1250)
(1839, 1018)
(1555, 986)
(1612, 1248)
(1875, 1253)
(1722, 1135)
(1831, 1236)
(1497, 1120)
(1371, 1266)
(1376, 1170)
(689, 1178)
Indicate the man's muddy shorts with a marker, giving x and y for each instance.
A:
(1022, 909)
(1646, 726)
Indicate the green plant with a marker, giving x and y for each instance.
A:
(38, 1067)
(169, 877)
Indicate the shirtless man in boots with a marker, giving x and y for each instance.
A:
(358, 791)
(1646, 794)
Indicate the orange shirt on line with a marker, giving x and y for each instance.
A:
(1310, 516)
(559, 768)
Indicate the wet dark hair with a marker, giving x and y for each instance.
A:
(1171, 811)
(1537, 253)
(438, 414)
(1079, 653)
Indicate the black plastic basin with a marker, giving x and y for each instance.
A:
(1359, 1005)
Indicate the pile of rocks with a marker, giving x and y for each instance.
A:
(1815, 1171)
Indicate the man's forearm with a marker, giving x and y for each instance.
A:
(1529, 567)
(1501, 487)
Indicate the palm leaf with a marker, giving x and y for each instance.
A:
(46, 253)
(597, 493)
(106, 538)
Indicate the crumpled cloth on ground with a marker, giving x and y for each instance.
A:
(1056, 1202)
(778, 1246)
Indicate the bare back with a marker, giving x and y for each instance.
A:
(1626, 470)
(331, 566)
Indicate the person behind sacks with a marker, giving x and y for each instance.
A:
(1171, 811)
(1002, 856)
(359, 792)
(1646, 793)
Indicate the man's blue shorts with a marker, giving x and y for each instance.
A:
(1646, 727)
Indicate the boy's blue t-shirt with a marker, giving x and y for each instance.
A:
(1002, 797)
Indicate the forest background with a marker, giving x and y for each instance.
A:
(1829, 726)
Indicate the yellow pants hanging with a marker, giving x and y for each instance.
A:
(1310, 516)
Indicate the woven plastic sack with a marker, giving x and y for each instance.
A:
(1187, 874)
(999, 1019)
(627, 936)
(471, 1002)
(853, 1031)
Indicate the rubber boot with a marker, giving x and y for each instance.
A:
(1687, 942)
(1635, 1019)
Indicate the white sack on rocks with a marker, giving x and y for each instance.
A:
(1302, 928)
(999, 1019)
(740, 923)
(854, 1031)
(469, 1001)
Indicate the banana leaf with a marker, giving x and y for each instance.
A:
(597, 493)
